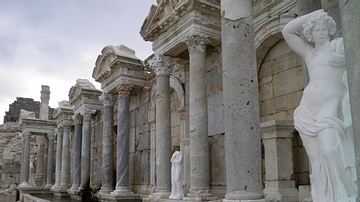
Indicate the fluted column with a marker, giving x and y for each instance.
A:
(65, 162)
(241, 102)
(59, 140)
(50, 160)
(199, 149)
(107, 147)
(26, 161)
(123, 129)
(86, 149)
(76, 152)
(162, 66)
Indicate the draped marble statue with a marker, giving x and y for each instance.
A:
(176, 176)
(323, 117)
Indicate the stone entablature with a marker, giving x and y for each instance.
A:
(63, 114)
(84, 96)
(168, 24)
(116, 65)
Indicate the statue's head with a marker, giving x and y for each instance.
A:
(322, 19)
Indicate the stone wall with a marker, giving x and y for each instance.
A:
(27, 104)
(280, 83)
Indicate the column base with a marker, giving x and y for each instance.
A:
(159, 196)
(25, 184)
(118, 197)
(281, 191)
(48, 186)
(305, 193)
(200, 195)
(106, 190)
(244, 196)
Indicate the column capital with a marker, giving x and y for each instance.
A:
(124, 89)
(196, 43)
(51, 135)
(162, 65)
(107, 99)
(78, 119)
(88, 113)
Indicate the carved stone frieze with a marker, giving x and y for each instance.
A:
(162, 65)
(124, 89)
(196, 43)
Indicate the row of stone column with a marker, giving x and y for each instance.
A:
(45, 165)
(122, 186)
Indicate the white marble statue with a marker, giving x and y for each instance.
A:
(176, 176)
(323, 116)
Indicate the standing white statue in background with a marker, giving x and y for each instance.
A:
(323, 116)
(176, 176)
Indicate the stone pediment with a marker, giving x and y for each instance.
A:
(168, 23)
(118, 64)
(83, 95)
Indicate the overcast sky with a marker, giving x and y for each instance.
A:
(55, 42)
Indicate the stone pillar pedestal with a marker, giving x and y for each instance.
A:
(123, 190)
(277, 139)
(76, 154)
(50, 161)
(86, 150)
(199, 148)
(59, 143)
(26, 162)
(162, 66)
(241, 103)
(107, 147)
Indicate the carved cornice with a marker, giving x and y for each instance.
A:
(196, 43)
(162, 65)
(124, 89)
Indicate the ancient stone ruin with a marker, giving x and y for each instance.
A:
(221, 87)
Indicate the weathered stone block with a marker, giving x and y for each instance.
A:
(287, 82)
(215, 110)
(142, 141)
(266, 88)
(217, 156)
(214, 80)
(284, 63)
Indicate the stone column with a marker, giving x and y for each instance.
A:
(59, 142)
(50, 161)
(26, 161)
(86, 149)
(107, 147)
(65, 159)
(277, 138)
(123, 129)
(350, 21)
(76, 153)
(162, 66)
(44, 105)
(40, 164)
(199, 148)
(241, 102)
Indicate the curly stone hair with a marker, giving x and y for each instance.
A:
(322, 18)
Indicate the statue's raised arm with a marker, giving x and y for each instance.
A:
(292, 39)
